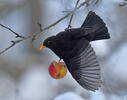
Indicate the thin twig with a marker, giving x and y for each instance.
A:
(82, 4)
(13, 44)
(40, 26)
(17, 35)
(123, 4)
(96, 1)
(7, 48)
(46, 28)
(65, 11)
(69, 25)
(33, 36)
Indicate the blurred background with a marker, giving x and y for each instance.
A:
(24, 68)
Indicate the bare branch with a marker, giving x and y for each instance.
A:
(17, 35)
(61, 19)
(33, 36)
(40, 26)
(12, 45)
(7, 48)
(69, 25)
(96, 1)
(46, 28)
(122, 4)
(65, 11)
(70, 12)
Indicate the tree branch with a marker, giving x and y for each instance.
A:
(46, 28)
(123, 4)
(70, 12)
(69, 25)
(96, 1)
(13, 44)
(33, 36)
(7, 48)
(17, 35)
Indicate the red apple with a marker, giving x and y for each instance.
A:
(57, 70)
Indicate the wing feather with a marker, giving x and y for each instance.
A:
(85, 68)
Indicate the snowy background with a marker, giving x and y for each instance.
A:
(24, 68)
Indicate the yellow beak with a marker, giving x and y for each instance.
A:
(42, 47)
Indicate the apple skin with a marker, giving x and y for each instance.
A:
(57, 70)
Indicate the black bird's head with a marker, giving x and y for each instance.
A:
(49, 43)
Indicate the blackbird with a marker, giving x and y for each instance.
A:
(73, 46)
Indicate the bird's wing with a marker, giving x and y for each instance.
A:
(85, 68)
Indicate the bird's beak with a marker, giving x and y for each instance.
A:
(42, 47)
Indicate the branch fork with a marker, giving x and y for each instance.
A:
(33, 36)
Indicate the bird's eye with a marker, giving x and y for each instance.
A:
(49, 43)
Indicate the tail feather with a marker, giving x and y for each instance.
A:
(98, 29)
(91, 19)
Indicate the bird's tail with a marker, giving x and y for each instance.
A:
(96, 27)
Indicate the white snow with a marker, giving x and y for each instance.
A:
(69, 96)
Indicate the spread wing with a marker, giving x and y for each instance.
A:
(85, 68)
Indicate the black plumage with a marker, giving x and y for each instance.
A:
(72, 45)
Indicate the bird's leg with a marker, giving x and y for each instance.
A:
(66, 29)
(59, 59)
